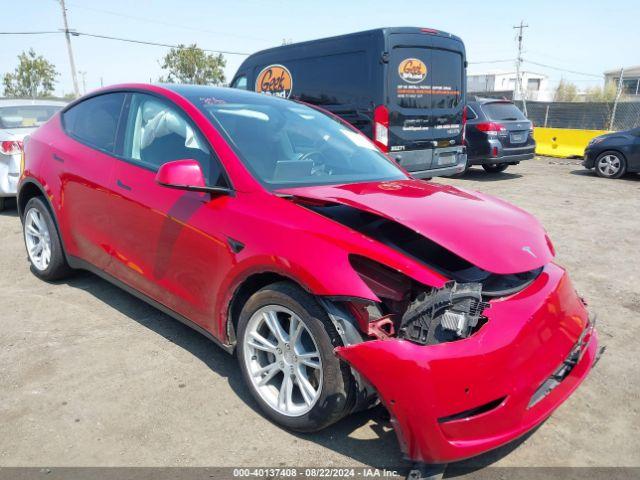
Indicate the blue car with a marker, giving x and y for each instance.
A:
(614, 154)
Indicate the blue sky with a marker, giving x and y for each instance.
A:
(588, 37)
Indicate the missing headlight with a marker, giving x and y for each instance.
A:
(443, 314)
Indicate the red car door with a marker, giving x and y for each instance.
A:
(84, 163)
(167, 243)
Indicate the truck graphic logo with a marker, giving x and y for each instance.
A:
(275, 80)
(412, 70)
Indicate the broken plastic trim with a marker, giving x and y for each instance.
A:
(567, 365)
(472, 412)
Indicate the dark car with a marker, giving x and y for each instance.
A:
(402, 87)
(614, 154)
(497, 134)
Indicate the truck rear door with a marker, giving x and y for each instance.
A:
(425, 98)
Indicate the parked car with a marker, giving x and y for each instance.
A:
(403, 87)
(497, 134)
(18, 118)
(284, 234)
(614, 154)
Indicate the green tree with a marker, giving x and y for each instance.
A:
(566, 92)
(191, 64)
(34, 76)
(602, 94)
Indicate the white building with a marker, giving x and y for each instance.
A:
(535, 84)
(630, 79)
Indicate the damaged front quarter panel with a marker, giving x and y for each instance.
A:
(453, 400)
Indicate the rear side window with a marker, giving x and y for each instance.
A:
(95, 120)
(502, 111)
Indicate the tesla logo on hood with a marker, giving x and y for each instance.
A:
(529, 251)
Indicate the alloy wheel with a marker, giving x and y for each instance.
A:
(609, 165)
(38, 239)
(283, 360)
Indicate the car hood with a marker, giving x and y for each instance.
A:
(486, 231)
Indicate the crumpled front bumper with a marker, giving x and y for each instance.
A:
(456, 400)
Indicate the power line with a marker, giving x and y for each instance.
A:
(563, 69)
(160, 22)
(120, 39)
(492, 61)
(31, 33)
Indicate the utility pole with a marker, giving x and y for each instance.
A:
(519, 90)
(74, 77)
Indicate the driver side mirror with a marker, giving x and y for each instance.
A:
(185, 175)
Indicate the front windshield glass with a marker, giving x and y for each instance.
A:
(286, 144)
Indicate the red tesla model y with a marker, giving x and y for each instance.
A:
(284, 235)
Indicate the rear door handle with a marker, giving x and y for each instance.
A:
(58, 158)
(122, 185)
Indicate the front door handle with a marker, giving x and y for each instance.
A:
(122, 185)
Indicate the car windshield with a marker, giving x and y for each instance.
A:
(504, 111)
(26, 116)
(286, 144)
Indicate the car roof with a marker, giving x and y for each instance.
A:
(484, 100)
(18, 102)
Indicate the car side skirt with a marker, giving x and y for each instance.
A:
(78, 263)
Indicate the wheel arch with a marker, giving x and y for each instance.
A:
(31, 188)
(244, 290)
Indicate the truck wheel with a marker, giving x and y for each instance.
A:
(495, 167)
(285, 350)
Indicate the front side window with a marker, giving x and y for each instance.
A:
(285, 144)
(158, 133)
(26, 116)
(240, 82)
(94, 121)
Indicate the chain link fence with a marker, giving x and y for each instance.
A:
(621, 115)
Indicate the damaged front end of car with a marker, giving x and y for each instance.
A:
(481, 352)
(461, 372)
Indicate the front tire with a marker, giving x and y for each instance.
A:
(610, 165)
(495, 167)
(41, 238)
(285, 350)
(2, 203)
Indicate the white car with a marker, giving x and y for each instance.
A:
(18, 118)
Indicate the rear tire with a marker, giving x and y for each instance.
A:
(610, 164)
(1, 204)
(44, 248)
(280, 366)
(495, 167)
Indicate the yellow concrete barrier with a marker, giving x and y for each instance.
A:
(563, 142)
